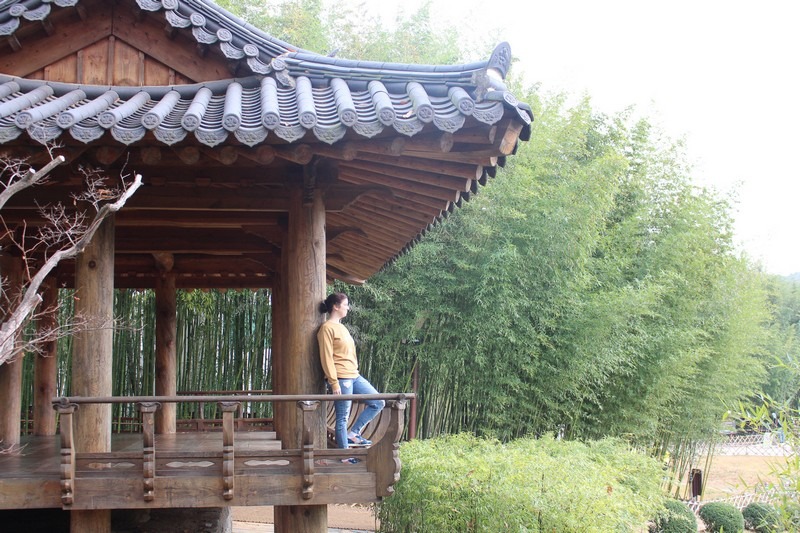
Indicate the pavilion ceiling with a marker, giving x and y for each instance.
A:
(393, 147)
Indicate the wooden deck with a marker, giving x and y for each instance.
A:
(197, 469)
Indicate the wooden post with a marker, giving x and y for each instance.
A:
(91, 358)
(300, 369)
(279, 332)
(166, 357)
(45, 371)
(148, 448)
(11, 371)
(228, 458)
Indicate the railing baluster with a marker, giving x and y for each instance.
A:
(148, 410)
(308, 409)
(65, 411)
(228, 473)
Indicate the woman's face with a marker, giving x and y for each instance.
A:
(343, 307)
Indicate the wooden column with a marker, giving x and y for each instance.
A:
(45, 372)
(91, 358)
(300, 369)
(166, 362)
(10, 372)
(278, 334)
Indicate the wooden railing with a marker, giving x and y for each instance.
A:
(107, 479)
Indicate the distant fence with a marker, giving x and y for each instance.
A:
(740, 501)
(764, 444)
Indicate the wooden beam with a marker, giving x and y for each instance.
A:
(340, 197)
(410, 199)
(263, 199)
(379, 176)
(453, 170)
(393, 167)
(183, 241)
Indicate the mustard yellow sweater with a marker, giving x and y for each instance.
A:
(337, 353)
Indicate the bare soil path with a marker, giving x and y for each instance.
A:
(341, 519)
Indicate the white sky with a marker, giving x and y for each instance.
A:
(721, 74)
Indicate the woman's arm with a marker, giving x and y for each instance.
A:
(325, 339)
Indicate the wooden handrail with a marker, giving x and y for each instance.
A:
(244, 398)
(383, 453)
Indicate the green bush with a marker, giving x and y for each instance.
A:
(789, 512)
(761, 517)
(675, 517)
(722, 517)
(463, 483)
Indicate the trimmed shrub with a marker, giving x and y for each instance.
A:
(722, 517)
(468, 484)
(676, 517)
(761, 517)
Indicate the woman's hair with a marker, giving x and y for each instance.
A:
(333, 299)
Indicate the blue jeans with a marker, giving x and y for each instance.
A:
(357, 385)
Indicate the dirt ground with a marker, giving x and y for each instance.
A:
(731, 475)
(351, 517)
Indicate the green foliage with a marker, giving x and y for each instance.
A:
(721, 517)
(464, 483)
(675, 517)
(346, 28)
(589, 287)
(761, 517)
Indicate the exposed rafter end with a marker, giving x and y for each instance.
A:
(14, 43)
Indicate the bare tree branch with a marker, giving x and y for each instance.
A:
(62, 228)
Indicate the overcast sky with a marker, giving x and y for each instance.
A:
(722, 75)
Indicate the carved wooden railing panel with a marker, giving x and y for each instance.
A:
(384, 456)
(195, 471)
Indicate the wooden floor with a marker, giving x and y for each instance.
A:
(39, 457)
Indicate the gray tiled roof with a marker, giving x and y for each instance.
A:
(290, 92)
(250, 109)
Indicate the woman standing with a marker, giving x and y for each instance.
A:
(337, 352)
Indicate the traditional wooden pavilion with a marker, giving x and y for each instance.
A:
(265, 166)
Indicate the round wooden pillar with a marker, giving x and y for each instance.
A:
(45, 372)
(300, 369)
(166, 357)
(92, 358)
(11, 371)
